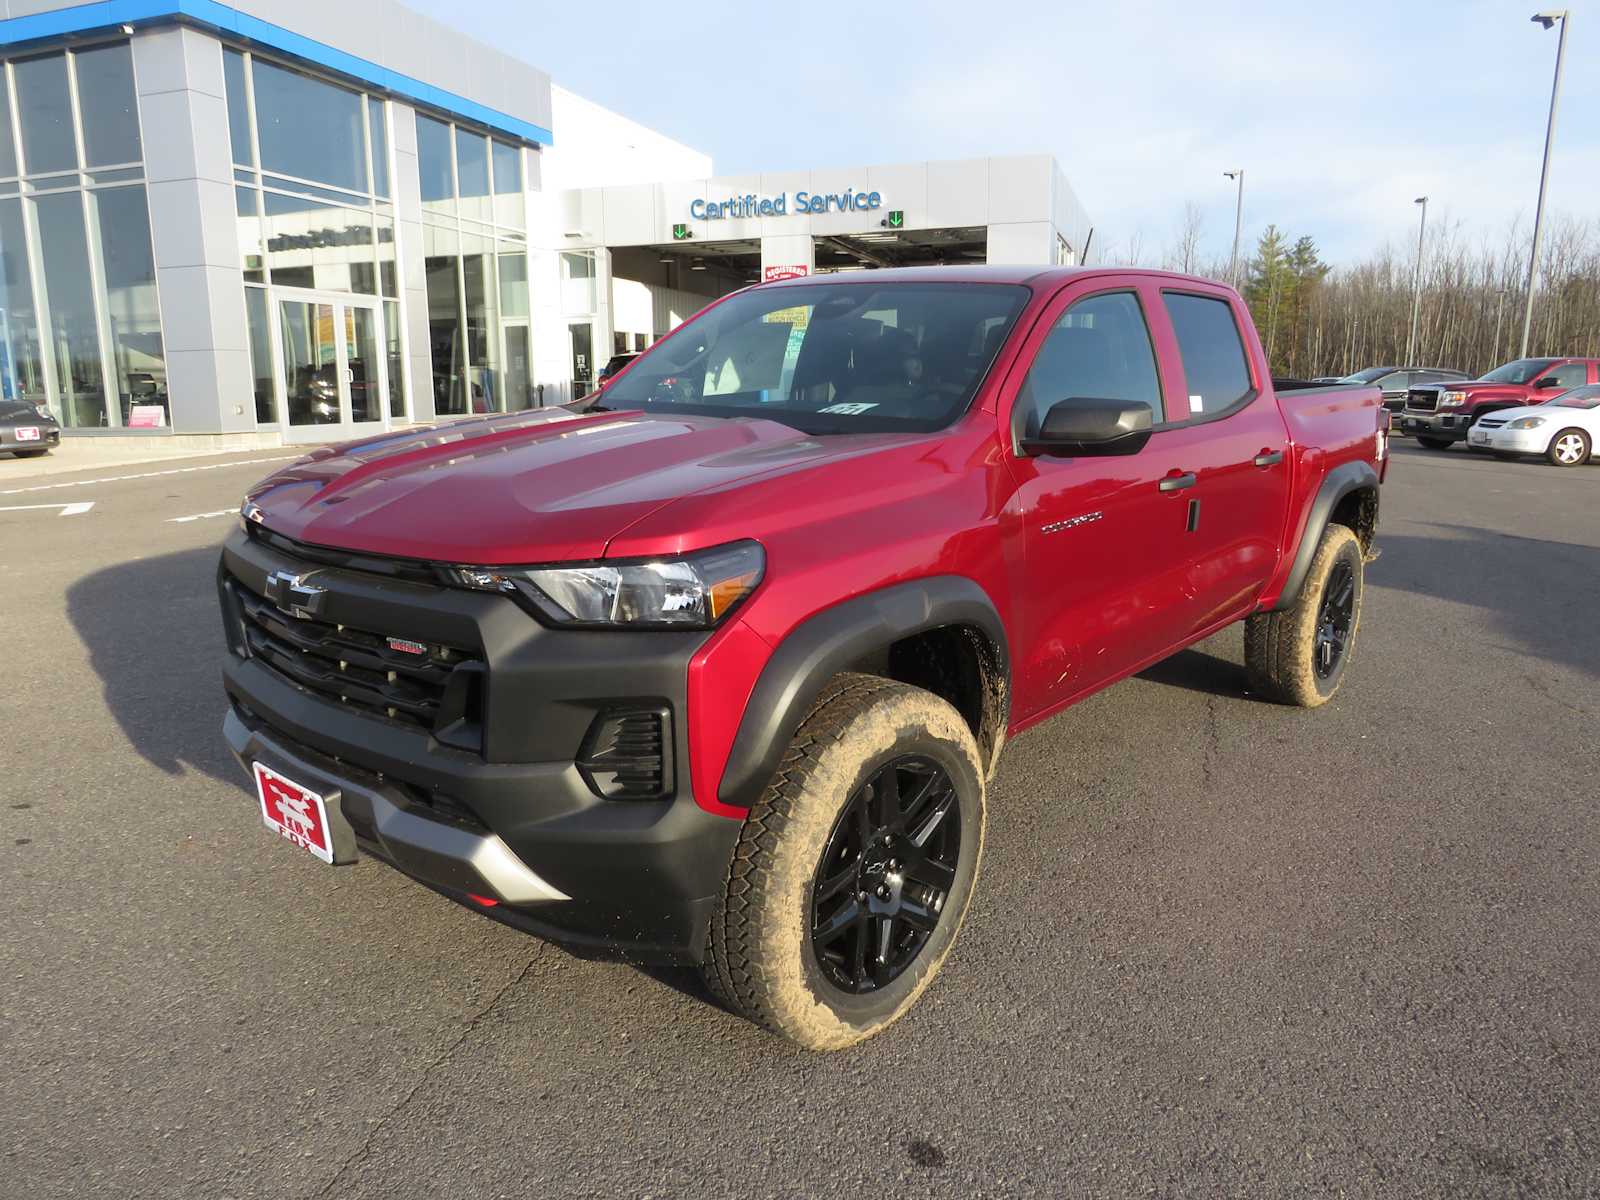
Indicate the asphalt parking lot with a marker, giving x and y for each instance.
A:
(1219, 947)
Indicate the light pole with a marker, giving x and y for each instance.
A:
(1416, 285)
(1238, 218)
(1545, 19)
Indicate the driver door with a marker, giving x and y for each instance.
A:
(1103, 584)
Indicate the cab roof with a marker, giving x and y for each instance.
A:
(1031, 276)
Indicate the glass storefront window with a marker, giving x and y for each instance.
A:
(395, 348)
(508, 204)
(21, 368)
(105, 101)
(442, 266)
(434, 165)
(80, 323)
(309, 129)
(8, 149)
(311, 244)
(255, 313)
(238, 107)
(44, 106)
(133, 316)
(472, 174)
(378, 133)
(64, 251)
(514, 284)
(482, 309)
(578, 294)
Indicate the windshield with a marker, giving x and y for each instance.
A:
(829, 357)
(1580, 397)
(1366, 376)
(1521, 371)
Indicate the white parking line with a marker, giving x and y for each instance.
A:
(221, 512)
(67, 510)
(247, 462)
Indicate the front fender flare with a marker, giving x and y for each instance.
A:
(1340, 482)
(827, 643)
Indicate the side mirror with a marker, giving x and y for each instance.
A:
(1549, 381)
(1086, 426)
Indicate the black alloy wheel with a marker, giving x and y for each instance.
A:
(885, 874)
(1335, 620)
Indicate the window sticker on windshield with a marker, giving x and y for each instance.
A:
(1197, 404)
(848, 410)
(798, 316)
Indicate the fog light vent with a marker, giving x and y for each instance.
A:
(627, 754)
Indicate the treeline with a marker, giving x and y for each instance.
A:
(1320, 320)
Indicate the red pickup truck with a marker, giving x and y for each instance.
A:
(714, 666)
(1439, 414)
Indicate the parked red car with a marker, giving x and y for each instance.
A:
(715, 666)
(1439, 414)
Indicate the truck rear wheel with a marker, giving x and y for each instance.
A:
(851, 878)
(1433, 443)
(1299, 655)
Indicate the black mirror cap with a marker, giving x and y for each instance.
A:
(1549, 381)
(1081, 425)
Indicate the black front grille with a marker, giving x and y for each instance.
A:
(627, 754)
(425, 685)
(1422, 399)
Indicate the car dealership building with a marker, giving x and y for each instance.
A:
(280, 221)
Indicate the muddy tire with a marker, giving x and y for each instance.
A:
(1299, 655)
(852, 875)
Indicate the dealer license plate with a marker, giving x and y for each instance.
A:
(27, 433)
(294, 812)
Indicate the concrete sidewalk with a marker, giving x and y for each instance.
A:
(90, 453)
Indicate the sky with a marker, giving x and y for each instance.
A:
(1341, 113)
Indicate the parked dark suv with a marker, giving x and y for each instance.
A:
(1396, 381)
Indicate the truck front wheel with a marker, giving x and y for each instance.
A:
(1299, 655)
(851, 878)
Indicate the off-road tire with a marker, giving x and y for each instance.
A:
(1280, 648)
(760, 959)
(1585, 446)
(1433, 443)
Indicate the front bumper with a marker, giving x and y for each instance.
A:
(1510, 441)
(1446, 426)
(516, 821)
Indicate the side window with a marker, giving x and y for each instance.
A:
(1396, 381)
(1572, 375)
(1099, 350)
(1213, 353)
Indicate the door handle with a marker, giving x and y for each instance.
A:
(1176, 483)
(1268, 458)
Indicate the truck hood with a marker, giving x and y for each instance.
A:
(543, 486)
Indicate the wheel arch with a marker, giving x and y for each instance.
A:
(941, 633)
(1348, 496)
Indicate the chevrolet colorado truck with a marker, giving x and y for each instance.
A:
(714, 666)
(1439, 414)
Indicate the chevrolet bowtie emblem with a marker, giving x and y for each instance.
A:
(295, 595)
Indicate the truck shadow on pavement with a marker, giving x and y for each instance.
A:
(1536, 593)
(154, 637)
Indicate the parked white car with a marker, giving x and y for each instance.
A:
(1563, 429)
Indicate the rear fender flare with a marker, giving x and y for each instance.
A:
(829, 642)
(1340, 482)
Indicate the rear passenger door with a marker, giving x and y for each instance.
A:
(1233, 439)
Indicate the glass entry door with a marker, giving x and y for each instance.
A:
(334, 378)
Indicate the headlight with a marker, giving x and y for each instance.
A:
(694, 592)
(1452, 399)
(44, 412)
(1526, 423)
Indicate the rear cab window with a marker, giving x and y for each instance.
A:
(1215, 370)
